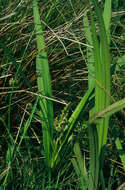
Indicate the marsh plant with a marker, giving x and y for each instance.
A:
(57, 137)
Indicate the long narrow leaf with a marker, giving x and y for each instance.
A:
(28, 122)
(102, 91)
(107, 17)
(120, 151)
(80, 167)
(90, 57)
(73, 118)
(102, 72)
(94, 158)
(109, 111)
(44, 86)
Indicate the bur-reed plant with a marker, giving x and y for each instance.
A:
(44, 86)
(51, 150)
(98, 69)
(97, 129)
(99, 75)
(25, 172)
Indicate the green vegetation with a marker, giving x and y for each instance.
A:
(62, 95)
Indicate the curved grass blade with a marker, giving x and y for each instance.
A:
(73, 119)
(109, 111)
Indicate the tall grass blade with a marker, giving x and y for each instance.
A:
(80, 168)
(90, 57)
(120, 151)
(28, 123)
(102, 72)
(107, 17)
(80, 160)
(44, 85)
(98, 132)
(102, 180)
(94, 158)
